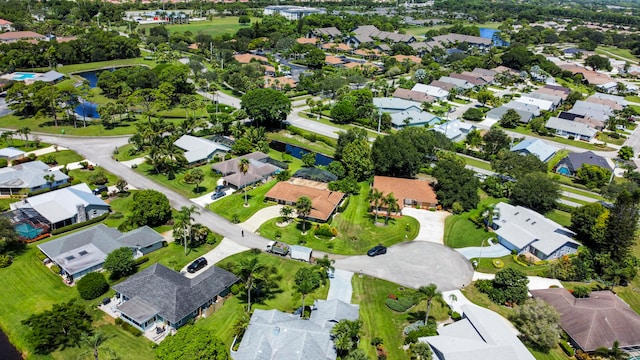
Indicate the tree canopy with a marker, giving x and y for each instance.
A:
(120, 263)
(536, 191)
(456, 185)
(150, 207)
(517, 165)
(266, 107)
(539, 324)
(192, 343)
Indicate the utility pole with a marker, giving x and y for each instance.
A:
(379, 121)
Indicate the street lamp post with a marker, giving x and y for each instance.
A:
(379, 121)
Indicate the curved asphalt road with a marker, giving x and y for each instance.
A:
(410, 264)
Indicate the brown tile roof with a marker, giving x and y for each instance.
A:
(281, 81)
(368, 52)
(613, 104)
(591, 76)
(64, 39)
(193, 46)
(353, 65)
(246, 58)
(338, 47)
(469, 78)
(596, 321)
(5, 22)
(311, 41)
(411, 58)
(548, 91)
(413, 95)
(323, 202)
(406, 189)
(332, 60)
(442, 85)
(18, 35)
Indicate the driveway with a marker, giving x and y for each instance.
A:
(414, 264)
(493, 251)
(431, 224)
(226, 248)
(535, 282)
(260, 217)
(340, 286)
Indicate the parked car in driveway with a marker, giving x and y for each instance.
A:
(197, 264)
(378, 250)
(100, 189)
(217, 195)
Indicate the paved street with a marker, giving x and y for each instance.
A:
(319, 128)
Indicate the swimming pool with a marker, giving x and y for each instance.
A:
(21, 76)
(28, 231)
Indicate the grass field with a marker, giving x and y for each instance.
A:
(178, 185)
(84, 175)
(64, 157)
(232, 206)
(582, 192)
(124, 153)
(216, 27)
(460, 231)
(561, 140)
(68, 69)
(561, 217)
(19, 144)
(380, 321)
(555, 159)
(622, 54)
(421, 30)
(477, 163)
(485, 265)
(608, 139)
(633, 98)
(4, 203)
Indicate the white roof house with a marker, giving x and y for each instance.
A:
(497, 113)
(273, 335)
(535, 110)
(567, 128)
(459, 83)
(537, 147)
(436, 92)
(28, 176)
(413, 118)
(11, 153)
(481, 335)
(392, 105)
(525, 230)
(540, 103)
(66, 206)
(199, 149)
(455, 130)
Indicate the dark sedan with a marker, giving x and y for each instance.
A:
(197, 264)
(378, 250)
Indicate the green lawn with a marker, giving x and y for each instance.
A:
(633, 98)
(477, 163)
(577, 201)
(285, 299)
(84, 175)
(178, 185)
(232, 206)
(64, 157)
(561, 217)
(421, 30)
(296, 140)
(19, 144)
(485, 265)
(4, 203)
(216, 27)
(460, 231)
(610, 140)
(581, 192)
(126, 153)
(623, 54)
(67, 69)
(379, 321)
(561, 140)
(561, 154)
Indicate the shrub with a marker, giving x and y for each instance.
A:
(40, 255)
(79, 225)
(237, 288)
(130, 329)
(141, 260)
(5, 260)
(55, 269)
(497, 263)
(92, 285)
(402, 304)
(119, 321)
(581, 291)
(116, 215)
(455, 316)
(423, 331)
(326, 230)
(566, 348)
(3, 163)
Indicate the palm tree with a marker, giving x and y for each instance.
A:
(183, 223)
(303, 207)
(95, 341)
(306, 282)
(7, 137)
(375, 196)
(50, 179)
(615, 353)
(25, 131)
(286, 212)
(247, 269)
(489, 212)
(243, 167)
(392, 206)
(429, 293)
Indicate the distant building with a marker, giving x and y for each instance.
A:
(6, 25)
(30, 177)
(292, 12)
(574, 161)
(393, 105)
(403, 119)
(527, 231)
(496, 114)
(570, 128)
(435, 92)
(197, 150)
(324, 202)
(455, 130)
(13, 36)
(537, 147)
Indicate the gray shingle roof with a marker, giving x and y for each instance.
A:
(575, 160)
(62, 204)
(28, 175)
(497, 113)
(537, 147)
(173, 295)
(571, 127)
(198, 149)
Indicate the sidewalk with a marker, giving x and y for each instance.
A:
(46, 150)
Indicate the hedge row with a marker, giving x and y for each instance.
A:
(313, 137)
(566, 348)
(79, 225)
(401, 305)
(128, 327)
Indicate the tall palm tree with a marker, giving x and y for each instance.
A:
(375, 196)
(248, 269)
(243, 167)
(25, 131)
(489, 212)
(429, 293)
(392, 205)
(50, 179)
(303, 207)
(183, 223)
(95, 341)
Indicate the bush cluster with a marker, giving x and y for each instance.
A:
(92, 285)
(423, 331)
(141, 260)
(566, 348)
(5, 260)
(3, 163)
(79, 225)
(128, 327)
(402, 304)
(326, 230)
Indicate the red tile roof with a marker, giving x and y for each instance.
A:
(323, 202)
(406, 190)
(246, 58)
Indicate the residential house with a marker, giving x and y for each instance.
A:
(497, 113)
(340, 47)
(537, 147)
(66, 206)
(333, 60)
(423, 47)
(372, 32)
(527, 231)
(591, 110)
(481, 334)
(542, 104)
(412, 59)
(355, 41)
(307, 41)
(247, 58)
(324, 202)
(570, 164)
(29, 177)
(435, 92)
(408, 192)
(198, 150)
(393, 105)
(570, 128)
(273, 334)
(455, 130)
(413, 95)
(470, 78)
(280, 82)
(614, 98)
(608, 102)
(555, 90)
(11, 153)
(442, 85)
(84, 251)
(458, 83)
(291, 12)
(406, 118)
(51, 77)
(331, 33)
(535, 110)
(572, 52)
(13, 36)
(261, 167)
(315, 174)
(158, 296)
(556, 100)
(590, 76)
(452, 39)
(6, 25)
(595, 321)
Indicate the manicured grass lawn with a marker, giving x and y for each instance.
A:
(217, 26)
(125, 153)
(178, 185)
(561, 154)
(64, 157)
(608, 139)
(581, 192)
(461, 232)
(232, 206)
(19, 144)
(622, 53)
(485, 265)
(356, 231)
(4, 203)
(45, 125)
(477, 163)
(561, 217)
(633, 98)
(285, 299)
(421, 30)
(286, 137)
(561, 140)
(577, 201)
(105, 65)
(83, 176)
(380, 321)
